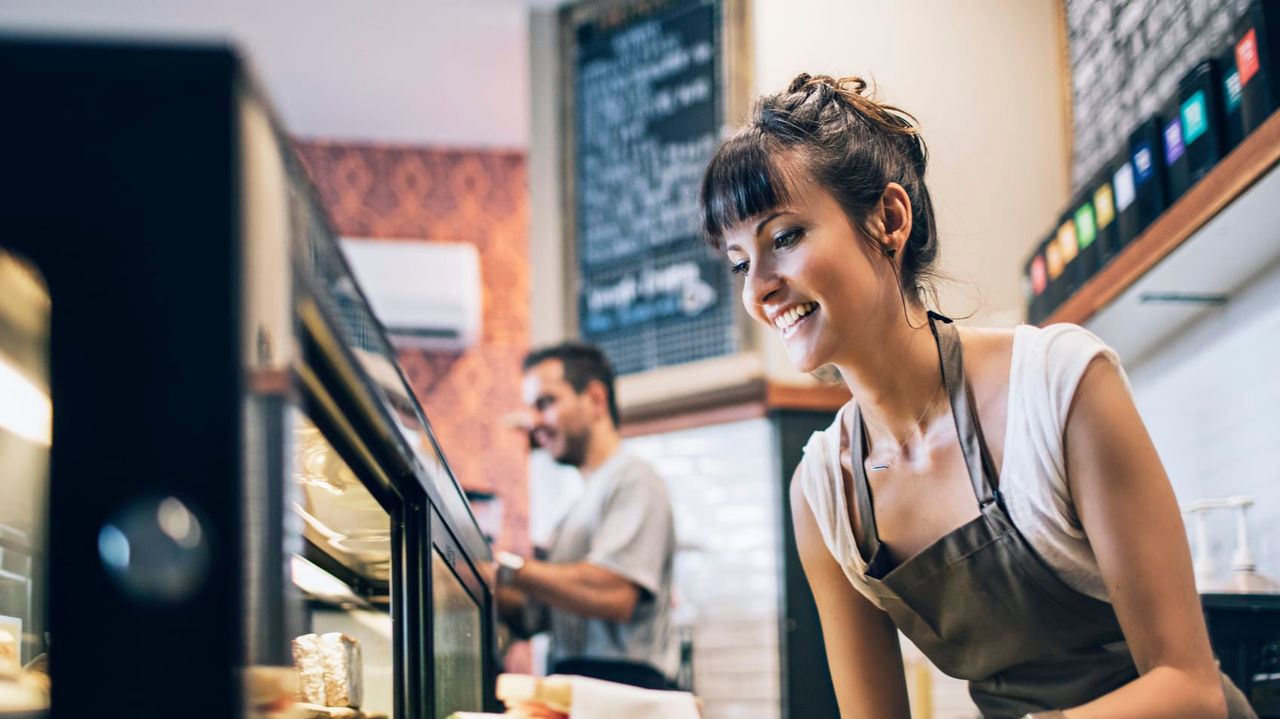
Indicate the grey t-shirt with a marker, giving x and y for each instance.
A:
(623, 523)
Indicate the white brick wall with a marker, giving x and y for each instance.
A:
(1211, 400)
(724, 492)
(1126, 59)
(724, 489)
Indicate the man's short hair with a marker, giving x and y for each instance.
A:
(583, 362)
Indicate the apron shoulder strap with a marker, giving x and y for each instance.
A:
(868, 537)
(982, 471)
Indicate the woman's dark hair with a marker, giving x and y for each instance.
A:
(845, 140)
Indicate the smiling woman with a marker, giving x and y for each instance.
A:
(828, 132)
(1023, 532)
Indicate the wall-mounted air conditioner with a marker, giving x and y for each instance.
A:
(426, 294)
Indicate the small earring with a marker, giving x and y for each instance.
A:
(891, 252)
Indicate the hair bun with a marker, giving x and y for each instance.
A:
(800, 82)
(825, 84)
(856, 84)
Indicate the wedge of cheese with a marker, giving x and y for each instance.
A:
(343, 670)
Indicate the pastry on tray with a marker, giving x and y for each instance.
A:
(329, 670)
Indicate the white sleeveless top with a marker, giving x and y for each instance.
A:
(1046, 368)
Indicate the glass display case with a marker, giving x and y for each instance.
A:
(220, 497)
(24, 483)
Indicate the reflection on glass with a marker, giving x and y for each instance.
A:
(341, 298)
(321, 586)
(155, 550)
(25, 417)
(26, 411)
(346, 655)
(456, 636)
(341, 518)
(407, 417)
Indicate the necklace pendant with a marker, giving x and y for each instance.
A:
(878, 467)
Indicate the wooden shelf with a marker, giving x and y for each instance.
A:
(1251, 161)
(746, 400)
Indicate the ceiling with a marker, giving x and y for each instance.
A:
(425, 72)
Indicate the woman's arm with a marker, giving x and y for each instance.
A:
(1127, 507)
(861, 641)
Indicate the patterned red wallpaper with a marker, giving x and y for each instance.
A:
(474, 196)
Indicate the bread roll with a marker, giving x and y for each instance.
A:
(555, 692)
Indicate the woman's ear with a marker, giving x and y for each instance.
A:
(895, 207)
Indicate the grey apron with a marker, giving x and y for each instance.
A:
(981, 604)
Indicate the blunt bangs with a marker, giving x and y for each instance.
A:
(742, 181)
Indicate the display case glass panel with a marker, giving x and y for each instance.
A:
(343, 301)
(344, 569)
(457, 638)
(341, 518)
(25, 420)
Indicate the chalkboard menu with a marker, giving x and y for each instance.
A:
(646, 108)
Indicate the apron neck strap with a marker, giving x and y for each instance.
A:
(868, 535)
(982, 471)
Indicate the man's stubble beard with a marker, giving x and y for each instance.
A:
(575, 448)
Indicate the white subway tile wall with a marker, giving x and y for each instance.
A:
(725, 496)
(1211, 401)
(725, 492)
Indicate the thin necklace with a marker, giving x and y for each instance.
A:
(897, 452)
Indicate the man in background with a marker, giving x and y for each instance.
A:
(604, 591)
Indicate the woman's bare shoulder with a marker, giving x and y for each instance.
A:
(990, 335)
(987, 350)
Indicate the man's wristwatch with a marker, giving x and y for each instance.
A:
(508, 564)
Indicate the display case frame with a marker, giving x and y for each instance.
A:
(156, 193)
